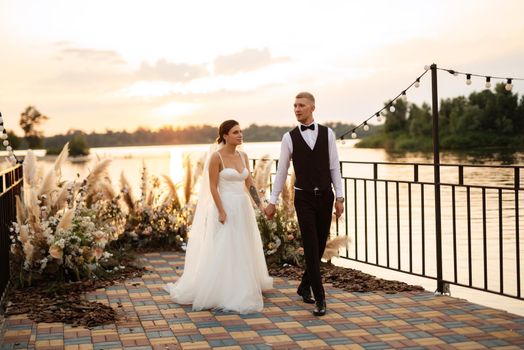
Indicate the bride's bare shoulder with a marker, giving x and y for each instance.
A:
(243, 154)
(214, 158)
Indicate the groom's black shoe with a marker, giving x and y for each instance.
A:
(306, 296)
(320, 308)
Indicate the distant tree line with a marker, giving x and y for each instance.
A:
(486, 119)
(167, 135)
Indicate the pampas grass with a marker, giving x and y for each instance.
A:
(262, 172)
(106, 189)
(48, 187)
(143, 182)
(288, 195)
(32, 208)
(67, 220)
(24, 234)
(60, 200)
(333, 246)
(198, 169)
(60, 160)
(127, 194)
(173, 194)
(20, 212)
(94, 179)
(98, 173)
(30, 169)
(188, 179)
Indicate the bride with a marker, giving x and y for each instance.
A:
(225, 267)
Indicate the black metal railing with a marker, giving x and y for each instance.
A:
(391, 219)
(10, 186)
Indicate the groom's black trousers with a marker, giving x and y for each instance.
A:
(314, 213)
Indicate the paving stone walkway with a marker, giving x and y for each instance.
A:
(150, 320)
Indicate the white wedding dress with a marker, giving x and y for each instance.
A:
(225, 267)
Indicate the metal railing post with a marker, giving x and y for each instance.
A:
(436, 165)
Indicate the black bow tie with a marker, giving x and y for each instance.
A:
(303, 127)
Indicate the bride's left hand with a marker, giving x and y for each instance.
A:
(222, 217)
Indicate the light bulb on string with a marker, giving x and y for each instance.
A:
(426, 67)
(417, 83)
(403, 96)
(379, 118)
(488, 82)
(3, 136)
(392, 109)
(509, 85)
(353, 134)
(366, 126)
(342, 141)
(468, 79)
(9, 149)
(6, 143)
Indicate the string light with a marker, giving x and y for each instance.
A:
(11, 158)
(508, 85)
(403, 96)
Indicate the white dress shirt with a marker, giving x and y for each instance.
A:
(286, 150)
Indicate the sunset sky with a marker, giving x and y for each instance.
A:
(97, 65)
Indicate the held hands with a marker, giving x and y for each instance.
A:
(270, 211)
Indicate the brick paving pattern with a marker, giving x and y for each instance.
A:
(371, 321)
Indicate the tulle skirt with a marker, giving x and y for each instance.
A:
(225, 266)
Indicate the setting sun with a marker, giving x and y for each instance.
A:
(172, 110)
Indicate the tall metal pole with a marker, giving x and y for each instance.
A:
(436, 165)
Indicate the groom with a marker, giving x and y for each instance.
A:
(312, 148)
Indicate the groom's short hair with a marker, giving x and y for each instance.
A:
(307, 95)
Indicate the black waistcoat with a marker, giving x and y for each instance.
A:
(311, 165)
